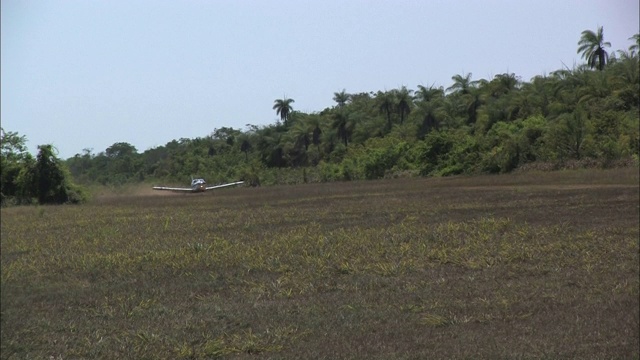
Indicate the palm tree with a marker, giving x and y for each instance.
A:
(449, 111)
(386, 103)
(245, 147)
(633, 49)
(341, 98)
(626, 71)
(535, 96)
(592, 45)
(467, 93)
(503, 84)
(474, 102)
(312, 123)
(283, 108)
(429, 120)
(342, 125)
(461, 84)
(403, 97)
(429, 101)
(315, 140)
(427, 94)
(295, 143)
(299, 132)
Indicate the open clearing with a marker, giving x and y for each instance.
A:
(529, 265)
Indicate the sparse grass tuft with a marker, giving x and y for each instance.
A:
(434, 320)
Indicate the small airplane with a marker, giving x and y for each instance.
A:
(197, 185)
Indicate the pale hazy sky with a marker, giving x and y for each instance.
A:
(89, 73)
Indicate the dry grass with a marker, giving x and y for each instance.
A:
(535, 265)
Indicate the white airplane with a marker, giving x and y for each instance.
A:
(197, 185)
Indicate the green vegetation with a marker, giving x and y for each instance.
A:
(523, 265)
(570, 118)
(25, 180)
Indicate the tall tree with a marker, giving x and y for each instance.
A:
(466, 93)
(592, 45)
(341, 98)
(342, 125)
(283, 108)
(13, 152)
(295, 143)
(386, 103)
(315, 140)
(404, 102)
(536, 96)
(503, 84)
(245, 147)
(461, 84)
(427, 94)
(428, 101)
(50, 177)
(633, 49)
(626, 77)
(300, 134)
(313, 124)
(269, 147)
(474, 102)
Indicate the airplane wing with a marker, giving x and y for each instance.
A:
(224, 185)
(171, 188)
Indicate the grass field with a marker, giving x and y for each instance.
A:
(529, 265)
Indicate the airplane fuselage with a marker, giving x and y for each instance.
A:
(198, 185)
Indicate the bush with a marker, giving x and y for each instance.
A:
(382, 159)
(449, 152)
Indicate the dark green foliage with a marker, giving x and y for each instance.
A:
(448, 153)
(50, 180)
(381, 159)
(12, 158)
(245, 147)
(386, 104)
(27, 182)
(508, 145)
(342, 126)
(25, 179)
(404, 103)
(317, 132)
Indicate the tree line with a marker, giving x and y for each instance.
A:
(588, 114)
